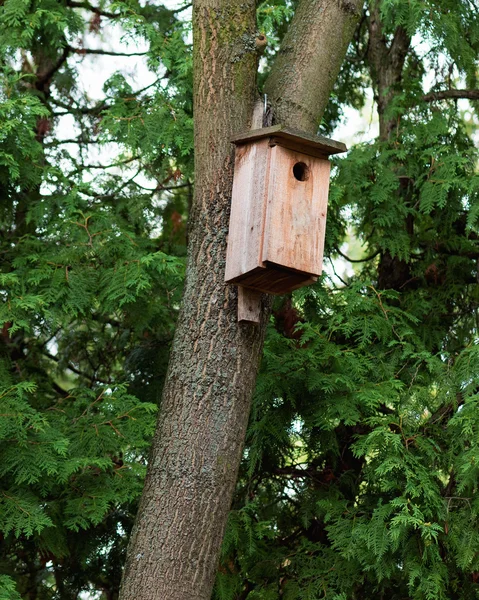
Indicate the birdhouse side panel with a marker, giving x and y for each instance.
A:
(296, 211)
(247, 209)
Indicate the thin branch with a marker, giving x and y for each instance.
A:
(84, 110)
(98, 108)
(354, 59)
(163, 188)
(110, 15)
(120, 163)
(338, 276)
(105, 52)
(150, 85)
(173, 187)
(45, 77)
(70, 141)
(58, 389)
(182, 8)
(357, 260)
(361, 56)
(93, 9)
(452, 95)
(399, 46)
(75, 369)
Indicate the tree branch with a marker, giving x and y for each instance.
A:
(452, 95)
(163, 188)
(45, 77)
(120, 163)
(399, 47)
(92, 110)
(358, 260)
(105, 52)
(177, 11)
(387, 64)
(93, 9)
(83, 110)
(309, 60)
(70, 141)
(75, 369)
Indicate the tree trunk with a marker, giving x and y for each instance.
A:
(387, 64)
(309, 60)
(193, 465)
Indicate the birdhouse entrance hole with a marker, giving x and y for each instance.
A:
(301, 171)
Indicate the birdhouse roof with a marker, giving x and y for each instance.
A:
(282, 135)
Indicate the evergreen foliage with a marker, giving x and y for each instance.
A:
(359, 478)
(360, 474)
(91, 272)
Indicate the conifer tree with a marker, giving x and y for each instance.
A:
(91, 272)
(359, 476)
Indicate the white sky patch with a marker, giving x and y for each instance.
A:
(358, 126)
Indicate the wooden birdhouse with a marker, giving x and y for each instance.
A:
(278, 211)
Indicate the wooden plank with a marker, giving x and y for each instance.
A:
(247, 220)
(258, 111)
(295, 223)
(298, 147)
(249, 305)
(327, 145)
(247, 209)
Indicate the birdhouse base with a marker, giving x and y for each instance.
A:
(274, 279)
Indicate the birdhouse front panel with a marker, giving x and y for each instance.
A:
(278, 210)
(296, 208)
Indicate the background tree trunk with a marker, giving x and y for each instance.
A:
(387, 64)
(196, 451)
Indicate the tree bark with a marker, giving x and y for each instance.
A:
(309, 60)
(193, 465)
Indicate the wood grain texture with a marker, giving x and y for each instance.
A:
(245, 236)
(250, 301)
(194, 460)
(295, 222)
(273, 279)
(249, 305)
(281, 132)
(277, 225)
(309, 60)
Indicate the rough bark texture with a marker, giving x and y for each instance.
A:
(196, 452)
(308, 63)
(197, 447)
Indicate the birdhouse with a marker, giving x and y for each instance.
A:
(278, 210)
